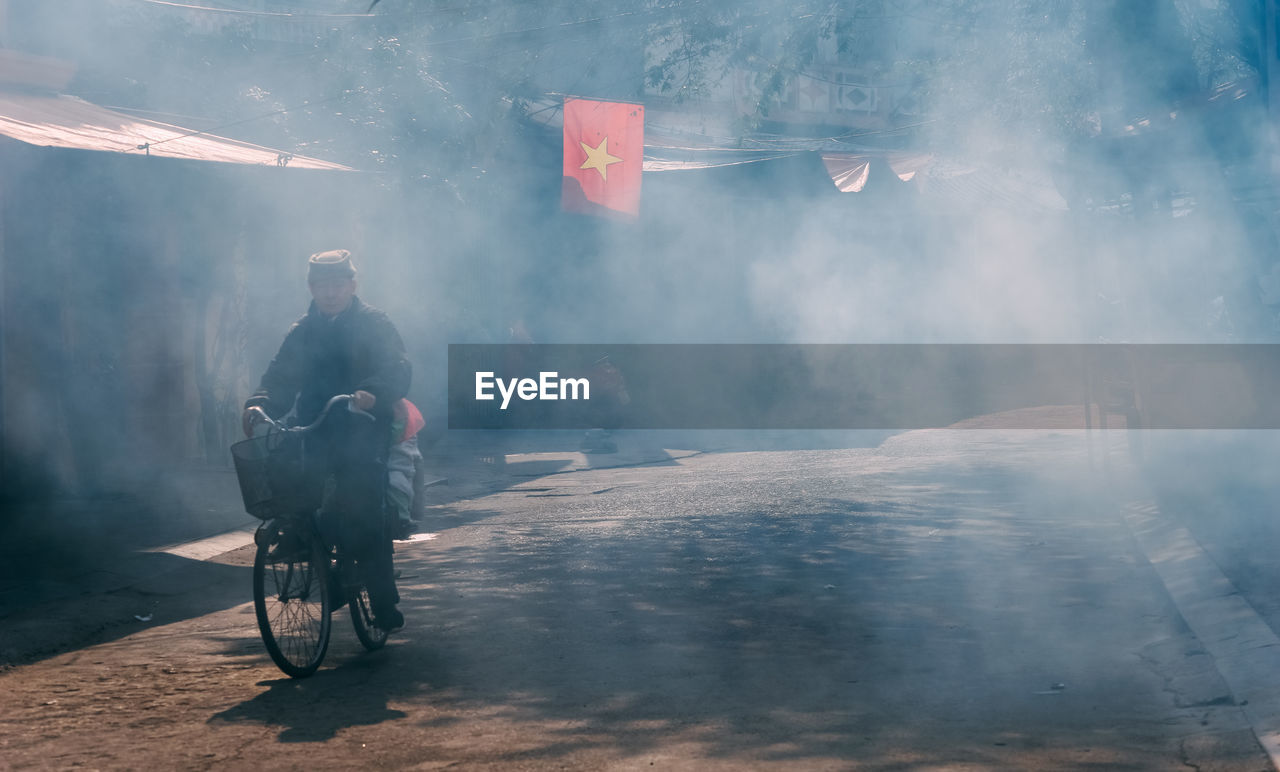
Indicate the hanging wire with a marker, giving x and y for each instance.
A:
(269, 14)
(146, 146)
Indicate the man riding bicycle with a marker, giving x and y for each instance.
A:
(343, 346)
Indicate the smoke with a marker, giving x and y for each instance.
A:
(462, 211)
(1085, 186)
(1091, 177)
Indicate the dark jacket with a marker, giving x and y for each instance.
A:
(357, 349)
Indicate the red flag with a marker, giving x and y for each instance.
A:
(603, 156)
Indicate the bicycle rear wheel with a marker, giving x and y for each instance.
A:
(292, 601)
(371, 636)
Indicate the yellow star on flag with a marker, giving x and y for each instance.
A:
(598, 158)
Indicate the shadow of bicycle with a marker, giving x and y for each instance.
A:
(316, 709)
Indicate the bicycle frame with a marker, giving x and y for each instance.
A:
(292, 542)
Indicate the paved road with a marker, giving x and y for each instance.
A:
(959, 600)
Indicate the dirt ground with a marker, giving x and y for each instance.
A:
(942, 601)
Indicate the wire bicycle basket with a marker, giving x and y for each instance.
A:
(273, 475)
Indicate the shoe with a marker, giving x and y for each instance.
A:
(389, 621)
(402, 530)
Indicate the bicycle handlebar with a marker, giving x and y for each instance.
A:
(277, 426)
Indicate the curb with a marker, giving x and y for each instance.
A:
(1243, 648)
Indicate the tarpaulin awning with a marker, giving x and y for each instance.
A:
(850, 171)
(54, 120)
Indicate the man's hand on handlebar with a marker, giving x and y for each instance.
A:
(359, 402)
(251, 417)
(363, 400)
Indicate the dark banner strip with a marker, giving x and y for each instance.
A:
(783, 386)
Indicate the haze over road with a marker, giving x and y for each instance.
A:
(967, 600)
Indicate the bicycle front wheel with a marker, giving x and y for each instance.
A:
(292, 601)
(371, 636)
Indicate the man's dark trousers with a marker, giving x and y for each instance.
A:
(355, 452)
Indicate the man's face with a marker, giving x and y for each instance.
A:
(332, 295)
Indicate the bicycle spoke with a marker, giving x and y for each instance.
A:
(294, 607)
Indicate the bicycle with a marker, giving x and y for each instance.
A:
(297, 573)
